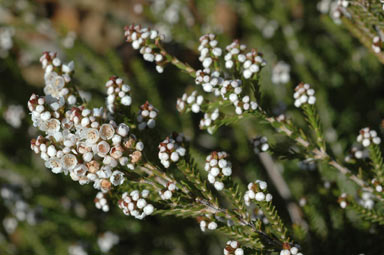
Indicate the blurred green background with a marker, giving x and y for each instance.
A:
(42, 213)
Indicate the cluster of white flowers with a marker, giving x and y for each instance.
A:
(287, 250)
(343, 200)
(147, 116)
(235, 53)
(231, 90)
(145, 40)
(244, 104)
(206, 222)
(191, 102)
(207, 122)
(367, 200)
(218, 168)
(260, 144)
(376, 184)
(57, 76)
(233, 248)
(13, 115)
(79, 141)
(107, 240)
(209, 81)
(253, 63)
(118, 93)
(367, 137)
(167, 192)
(304, 94)
(90, 152)
(172, 149)
(228, 89)
(101, 202)
(208, 49)
(257, 191)
(377, 44)
(281, 73)
(6, 40)
(134, 204)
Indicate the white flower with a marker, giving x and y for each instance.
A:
(106, 131)
(91, 135)
(107, 240)
(117, 178)
(14, 115)
(69, 161)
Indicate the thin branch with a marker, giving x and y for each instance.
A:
(282, 188)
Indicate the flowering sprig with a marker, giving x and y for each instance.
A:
(256, 191)
(94, 148)
(368, 138)
(218, 168)
(211, 79)
(367, 213)
(135, 204)
(118, 93)
(148, 42)
(147, 115)
(223, 92)
(209, 52)
(80, 141)
(190, 102)
(359, 20)
(172, 149)
(145, 40)
(305, 98)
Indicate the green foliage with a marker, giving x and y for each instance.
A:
(347, 75)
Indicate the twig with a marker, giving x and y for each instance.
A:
(283, 189)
